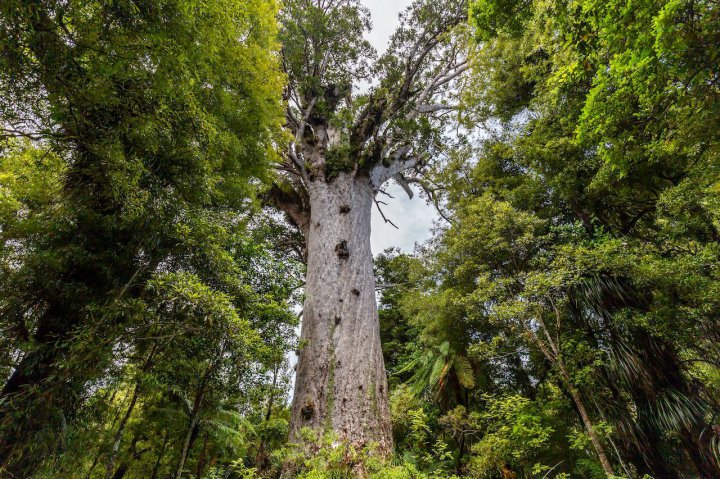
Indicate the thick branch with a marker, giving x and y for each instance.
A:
(399, 163)
(400, 179)
(292, 204)
(435, 107)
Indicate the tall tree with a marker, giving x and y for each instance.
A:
(345, 146)
(163, 115)
(600, 139)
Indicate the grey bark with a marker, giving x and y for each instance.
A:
(341, 384)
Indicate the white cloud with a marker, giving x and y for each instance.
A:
(384, 14)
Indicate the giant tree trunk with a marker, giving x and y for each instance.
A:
(341, 385)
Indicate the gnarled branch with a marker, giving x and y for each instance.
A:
(292, 204)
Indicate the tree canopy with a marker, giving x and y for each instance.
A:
(183, 184)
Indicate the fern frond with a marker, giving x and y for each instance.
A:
(464, 371)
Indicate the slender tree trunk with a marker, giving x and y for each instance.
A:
(126, 417)
(156, 466)
(187, 442)
(119, 434)
(261, 458)
(341, 384)
(202, 459)
(125, 464)
(461, 452)
(587, 422)
(121, 471)
(195, 416)
(551, 350)
(94, 463)
(271, 399)
(194, 419)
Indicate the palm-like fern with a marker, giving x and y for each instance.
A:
(646, 370)
(440, 369)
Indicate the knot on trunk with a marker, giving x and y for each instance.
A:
(308, 410)
(337, 320)
(345, 209)
(342, 250)
(355, 291)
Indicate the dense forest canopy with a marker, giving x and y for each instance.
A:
(184, 184)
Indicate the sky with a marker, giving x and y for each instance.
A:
(413, 217)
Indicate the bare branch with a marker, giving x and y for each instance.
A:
(451, 71)
(377, 203)
(386, 193)
(299, 164)
(435, 107)
(306, 116)
(432, 194)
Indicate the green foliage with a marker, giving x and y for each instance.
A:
(514, 431)
(493, 17)
(393, 272)
(575, 229)
(327, 458)
(308, 29)
(567, 311)
(434, 368)
(337, 160)
(134, 138)
(571, 273)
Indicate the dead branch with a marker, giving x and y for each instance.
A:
(383, 214)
